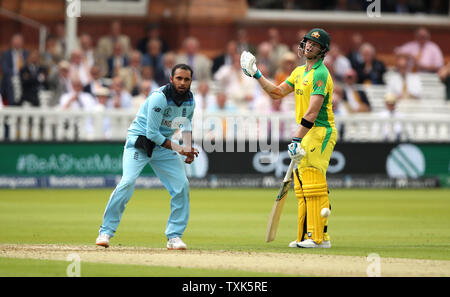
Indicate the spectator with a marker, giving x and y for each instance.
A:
(390, 131)
(102, 98)
(239, 87)
(426, 55)
(96, 81)
(117, 61)
(354, 54)
(226, 57)
(278, 49)
(154, 58)
(222, 104)
(145, 88)
(444, 75)
(200, 64)
(403, 83)
(371, 70)
(340, 63)
(60, 41)
(288, 63)
(131, 75)
(120, 97)
(51, 57)
(153, 32)
(242, 42)
(107, 43)
(13, 60)
(263, 57)
(33, 78)
(354, 100)
(78, 68)
(203, 97)
(59, 82)
(169, 61)
(90, 56)
(339, 107)
(77, 99)
(147, 74)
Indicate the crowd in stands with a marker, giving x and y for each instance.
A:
(113, 73)
(392, 6)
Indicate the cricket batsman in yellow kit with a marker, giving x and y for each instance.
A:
(315, 138)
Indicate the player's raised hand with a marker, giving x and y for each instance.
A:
(248, 65)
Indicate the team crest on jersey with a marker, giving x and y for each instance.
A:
(315, 34)
(305, 82)
(167, 112)
(319, 83)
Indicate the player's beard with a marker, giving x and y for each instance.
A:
(179, 95)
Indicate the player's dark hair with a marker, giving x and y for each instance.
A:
(184, 67)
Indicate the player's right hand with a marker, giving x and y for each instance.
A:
(296, 152)
(248, 65)
(190, 154)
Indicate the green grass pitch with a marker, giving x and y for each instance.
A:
(393, 223)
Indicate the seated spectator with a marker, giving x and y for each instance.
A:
(288, 63)
(78, 68)
(153, 32)
(59, 82)
(145, 88)
(391, 131)
(33, 78)
(354, 100)
(426, 55)
(169, 61)
(154, 58)
(444, 75)
(96, 81)
(278, 49)
(371, 70)
(147, 74)
(60, 41)
(12, 61)
(403, 83)
(120, 96)
(116, 61)
(77, 99)
(200, 64)
(340, 63)
(225, 57)
(106, 44)
(354, 55)
(222, 104)
(264, 57)
(90, 55)
(51, 57)
(203, 96)
(239, 87)
(242, 42)
(131, 74)
(102, 97)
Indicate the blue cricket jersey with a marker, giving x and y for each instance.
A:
(160, 116)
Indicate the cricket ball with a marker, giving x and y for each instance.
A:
(325, 212)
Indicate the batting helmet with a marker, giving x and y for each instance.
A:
(320, 36)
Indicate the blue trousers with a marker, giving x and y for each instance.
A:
(169, 168)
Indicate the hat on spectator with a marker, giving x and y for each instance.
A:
(102, 92)
(390, 98)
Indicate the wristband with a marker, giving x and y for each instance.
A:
(258, 74)
(306, 123)
(297, 139)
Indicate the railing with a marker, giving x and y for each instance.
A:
(39, 124)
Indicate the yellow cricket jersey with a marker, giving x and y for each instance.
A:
(306, 83)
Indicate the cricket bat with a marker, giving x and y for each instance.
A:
(277, 208)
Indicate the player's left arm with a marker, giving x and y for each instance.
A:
(315, 103)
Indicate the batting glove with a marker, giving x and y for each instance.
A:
(296, 152)
(248, 65)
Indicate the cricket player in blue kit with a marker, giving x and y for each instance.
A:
(166, 110)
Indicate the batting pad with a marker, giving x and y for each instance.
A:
(315, 190)
(301, 207)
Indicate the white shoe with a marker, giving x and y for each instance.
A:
(293, 244)
(103, 240)
(176, 244)
(309, 243)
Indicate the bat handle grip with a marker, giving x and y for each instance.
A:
(289, 171)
